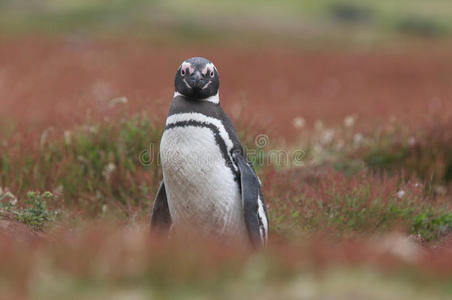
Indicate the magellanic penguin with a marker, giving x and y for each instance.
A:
(208, 182)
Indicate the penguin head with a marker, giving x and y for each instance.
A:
(197, 78)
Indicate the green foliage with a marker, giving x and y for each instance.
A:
(386, 158)
(330, 201)
(420, 26)
(341, 190)
(351, 13)
(113, 162)
(432, 226)
(425, 152)
(35, 212)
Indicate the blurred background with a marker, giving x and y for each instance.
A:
(362, 89)
(312, 59)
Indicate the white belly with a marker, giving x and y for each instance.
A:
(201, 190)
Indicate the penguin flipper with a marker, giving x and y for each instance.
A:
(253, 203)
(161, 218)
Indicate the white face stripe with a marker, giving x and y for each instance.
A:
(186, 83)
(214, 99)
(208, 120)
(209, 67)
(186, 65)
(206, 85)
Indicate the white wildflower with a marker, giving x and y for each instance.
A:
(118, 100)
(328, 136)
(317, 148)
(44, 136)
(67, 137)
(298, 122)
(91, 129)
(108, 170)
(13, 200)
(358, 138)
(400, 194)
(349, 121)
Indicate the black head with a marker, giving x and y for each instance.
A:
(197, 78)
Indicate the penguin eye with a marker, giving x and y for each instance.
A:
(182, 71)
(211, 73)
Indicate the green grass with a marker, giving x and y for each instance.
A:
(279, 18)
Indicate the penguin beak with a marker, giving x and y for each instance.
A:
(196, 80)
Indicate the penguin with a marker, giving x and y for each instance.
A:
(209, 184)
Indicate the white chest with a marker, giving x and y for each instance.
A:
(201, 189)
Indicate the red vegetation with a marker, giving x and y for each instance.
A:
(52, 82)
(102, 252)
